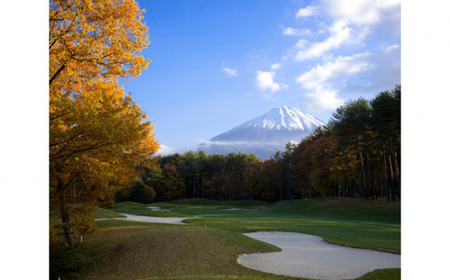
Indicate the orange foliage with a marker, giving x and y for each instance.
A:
(98, 135)
(151, 192)
(91, 39)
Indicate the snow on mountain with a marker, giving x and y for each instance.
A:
(283, 118)
(266, 134)
(282, 124)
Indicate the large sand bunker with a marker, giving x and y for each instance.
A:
(309, 256)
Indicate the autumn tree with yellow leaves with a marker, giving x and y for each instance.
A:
(98, 135)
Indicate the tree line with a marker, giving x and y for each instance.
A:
(357, 154)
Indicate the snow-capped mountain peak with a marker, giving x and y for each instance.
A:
(266, 134)
(282, 124)
(284, 118)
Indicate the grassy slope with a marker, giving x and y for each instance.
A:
(104, 213)
(344, 208)
(352, 222)
(153, 252)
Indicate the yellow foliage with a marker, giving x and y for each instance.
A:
(90, 39)
(98, 135)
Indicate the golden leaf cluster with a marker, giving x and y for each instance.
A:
(98, 135)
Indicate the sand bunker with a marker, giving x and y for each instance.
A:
(309, 256)
(156, 208)
(149, 219)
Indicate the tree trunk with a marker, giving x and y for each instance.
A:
(350, 189)
(395, 165)
(193, 190)
(289, 185)
(371, 179)
(227, 197)
(203, 187)
(392, 179)
(248, 192)
(241, 194)
(67, 226)
(362, 174)
(280, 183)
(220, 187)
(385, 177)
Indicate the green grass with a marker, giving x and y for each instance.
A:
(135, 208)
(386, 274)
(344, 208)
(104, 213)
(351, 222)
(160, 251)
(201, 201)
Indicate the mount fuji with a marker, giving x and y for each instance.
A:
(264, 135)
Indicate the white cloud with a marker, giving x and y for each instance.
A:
(351, 22)
(296, 32)
(319, 80)
(301, 43)
(306, 12)
(323, 100)
(164, 150)
(391, 47)
(340, 34)
(275, 66)
(264, 81)
(361, 12)
(341, 61)
(341, 66)
(230, 72)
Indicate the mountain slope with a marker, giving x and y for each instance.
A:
(282, 124)
(266, 134)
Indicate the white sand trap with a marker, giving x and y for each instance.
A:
(156, 208)
(149, 219)
(309, 256)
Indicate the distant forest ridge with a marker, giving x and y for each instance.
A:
(357, 154)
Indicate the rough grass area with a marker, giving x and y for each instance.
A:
(385, 274)
(161, 252)
(104, 224)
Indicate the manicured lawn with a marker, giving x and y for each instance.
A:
(344, 208)
(105, 213)
(351, 222)
(135, 250)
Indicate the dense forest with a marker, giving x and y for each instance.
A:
(357, 154)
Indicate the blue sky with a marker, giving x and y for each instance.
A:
(216, 64)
